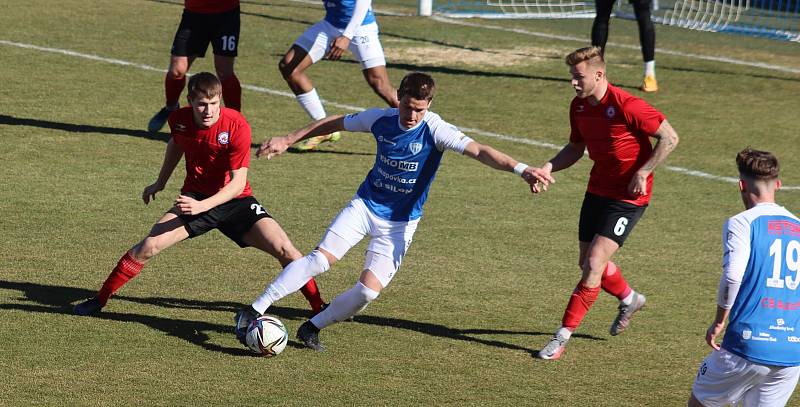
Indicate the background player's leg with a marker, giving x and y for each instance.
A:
(231, 89)
(292, 67)
(174, 82)
(168, 231)
(378, 79)
(268, 236)
(647, 37)
(601, 23)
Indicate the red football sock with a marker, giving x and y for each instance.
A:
(579, 303)
(311, 292)
(613, 282)
(232, 93)
(173, 86)
(127, 268)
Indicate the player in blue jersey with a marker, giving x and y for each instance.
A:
(758, 363)
(388, 205)
(348, 24)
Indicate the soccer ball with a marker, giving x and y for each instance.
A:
(266, 336)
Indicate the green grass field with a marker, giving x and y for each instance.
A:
(483, 286)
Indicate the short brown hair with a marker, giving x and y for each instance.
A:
(204, 84)
(417, 85)
(757, 165)
(592, 54)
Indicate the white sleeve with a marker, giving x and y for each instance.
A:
(448, 137)
(359, 12)
(362, 121)
(736, 254)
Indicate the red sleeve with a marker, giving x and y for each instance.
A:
(574, 134)
(239, 151)
(642, 117)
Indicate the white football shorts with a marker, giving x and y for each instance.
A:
(388, 244)
(365, 44)
(727, 379)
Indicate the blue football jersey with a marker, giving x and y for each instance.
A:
(764, 320)
(340, 12)
(406, 160)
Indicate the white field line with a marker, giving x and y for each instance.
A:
(520, 140)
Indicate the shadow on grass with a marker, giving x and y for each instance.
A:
(88, 128)
(60, 299)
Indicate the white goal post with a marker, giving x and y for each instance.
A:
(777, 19)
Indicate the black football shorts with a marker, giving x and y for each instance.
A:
(196, 30)
(607, 217)
(233, 218)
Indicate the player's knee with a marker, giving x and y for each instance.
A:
(365, 294)
(145, 250)
(287, 70)
(317, 263)
(176, 72)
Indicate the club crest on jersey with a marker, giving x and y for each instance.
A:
(415, 148)
(223, 138)
(610, 112)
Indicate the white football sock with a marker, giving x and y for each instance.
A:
(629, 298)
(346, 305)
(311, 104)
(292, 278)
(650, 68)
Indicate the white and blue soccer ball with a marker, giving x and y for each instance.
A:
(266, 336)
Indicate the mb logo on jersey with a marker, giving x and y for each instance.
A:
(610, 112)
(415, 148)
(223, 138)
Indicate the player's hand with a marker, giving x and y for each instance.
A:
(189, 206)
(338, 46)
(638, 185)
(149, 193)
(272, 147)
(538, 179)
(711, 334)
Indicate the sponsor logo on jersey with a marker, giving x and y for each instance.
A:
(793, 339)
(783, 227)
(399, 164)
(610, 112)
(579, 109)
(223, 138)
(415, 148)
(772, 303)
(179, 127)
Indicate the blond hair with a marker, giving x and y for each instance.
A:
(592, 54)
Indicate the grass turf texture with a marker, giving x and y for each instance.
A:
(485, 282)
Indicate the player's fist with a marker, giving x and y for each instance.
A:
(189, 206)
(712, 333)
(272, 147)
(338, 46)
(638, 185)
(149, 193)
(538, 178)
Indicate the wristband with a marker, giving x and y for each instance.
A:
(520, 168)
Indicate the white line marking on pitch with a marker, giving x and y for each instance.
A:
(713, 58)
(260, 89)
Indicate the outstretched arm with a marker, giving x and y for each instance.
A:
(172, 157)
(667, 141)
(502, 161)
(278, 145)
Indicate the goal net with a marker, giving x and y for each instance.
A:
(779, 19)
